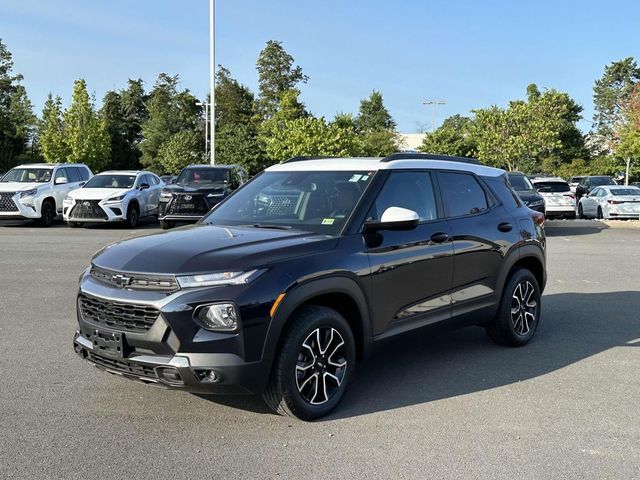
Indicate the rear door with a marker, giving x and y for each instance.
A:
(411, 270)
(155, 186)
(483, 232)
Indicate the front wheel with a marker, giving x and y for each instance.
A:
(166, 225)
(47, 213)
(580, 212)
(73, 224)
(600, 216)
(133, 215)
(519, 312)
(313, 366)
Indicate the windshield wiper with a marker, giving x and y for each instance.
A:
(270, 225)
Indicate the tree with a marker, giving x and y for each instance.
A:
(85, 133)
(169, 112)
(610, 94)
(238, 143)
(51, 132)
(124, 112)
(17, 120)
(628, 134)
(276, 75)
(234, 101)
(453, 137)
(376, 126)
(182, 149)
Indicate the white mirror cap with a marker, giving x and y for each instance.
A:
(398, 214)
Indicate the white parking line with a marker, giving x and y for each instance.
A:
(637, 340)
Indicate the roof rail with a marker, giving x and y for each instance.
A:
(302, 158)
(428, 156)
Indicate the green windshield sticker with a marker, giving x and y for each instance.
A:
(328, 221)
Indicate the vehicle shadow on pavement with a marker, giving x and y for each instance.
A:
(423, 367)
(569, 228)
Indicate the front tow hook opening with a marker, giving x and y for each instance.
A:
(169, 376)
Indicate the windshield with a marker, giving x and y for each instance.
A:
(28, 175)
(553, 187)
(576, 179)
(111, 181)
(319, 202)
(203, 176)
(625, 191)
(601, 181)
(520, 183)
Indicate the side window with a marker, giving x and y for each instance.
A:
(602, 192)
(73, 175)
(462, 194)
(153, 179)
(411, 190)
(61, 172)
(84, 173)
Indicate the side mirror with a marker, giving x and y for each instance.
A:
(61, 181)
(394, 218)
(144, 186)
(173, 181)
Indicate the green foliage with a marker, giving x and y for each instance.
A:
(276, 75)
(51, 132)
(373, 115)
(610, 95)
(453, 137)
(182, 149)
(237, 143)
(85, 133)
(234, 102)
(17, 120)
(577, 167)
(310, 136)
(169, 112)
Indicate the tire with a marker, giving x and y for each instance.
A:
(301, 367)
(599, 215)
(166, 224)
(73, 224)
(47, 213)
(516, 328)
(133, 215)
(580, 212)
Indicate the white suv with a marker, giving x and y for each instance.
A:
(36, 191)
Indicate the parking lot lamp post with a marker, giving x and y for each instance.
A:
(433, 104)
(212, 61)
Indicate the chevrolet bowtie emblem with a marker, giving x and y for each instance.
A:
(120, 280)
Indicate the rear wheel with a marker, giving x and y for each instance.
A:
(580, 212)
(166, 224)
(133, 215)
(519, 312)
(599, 214)
(313, 366)
(47, 213)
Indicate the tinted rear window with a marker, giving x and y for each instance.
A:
(462, 194)
(553, 187)
(625, 191)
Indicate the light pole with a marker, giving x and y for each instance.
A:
(212, 81)
(433, 104)
(206, 126)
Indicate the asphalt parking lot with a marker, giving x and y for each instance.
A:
(452, 405)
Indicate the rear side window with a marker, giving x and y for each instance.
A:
(501, 188)
(411, 190)
(73, 175)
(462, 194)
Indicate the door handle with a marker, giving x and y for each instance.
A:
(505, 227)
(439, 237)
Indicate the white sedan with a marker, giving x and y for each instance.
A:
(115, 196)
(611, 201)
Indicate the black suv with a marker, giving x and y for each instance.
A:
(288, 282)
(197, 189)
(589, 183)
(527, 192)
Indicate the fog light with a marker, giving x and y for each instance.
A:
(207, 376)
(220, 317)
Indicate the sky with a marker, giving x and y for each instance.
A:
(469, 53)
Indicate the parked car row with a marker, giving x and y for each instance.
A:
(43, 192)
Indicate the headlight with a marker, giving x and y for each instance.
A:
(28, 193)
(166, 195)
(119, 198)
(221, 278)
(68, 198)
(536, 203)
(221, 317)
(215, 195)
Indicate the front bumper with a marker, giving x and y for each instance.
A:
(24, 209)
(113, 212)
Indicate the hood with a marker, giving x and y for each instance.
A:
(18, 186)
(196, 188)
(209, 248)
(96, 193)
(528, 196)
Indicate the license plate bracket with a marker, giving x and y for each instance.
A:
(111, 344)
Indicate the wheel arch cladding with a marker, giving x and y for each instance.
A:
(342, 294)
(530, 257)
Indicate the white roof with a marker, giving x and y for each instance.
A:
(548, 179)
(615, 187)
(120, 172)
(373, 164)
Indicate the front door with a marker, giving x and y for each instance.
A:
(411, 270)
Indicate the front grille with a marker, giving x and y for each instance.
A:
(188, 204)
(88, 209)
(135, 281)
(122, 366)
(6, 203)
(126, 316)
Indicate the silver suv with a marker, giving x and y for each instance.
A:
(36, 191)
